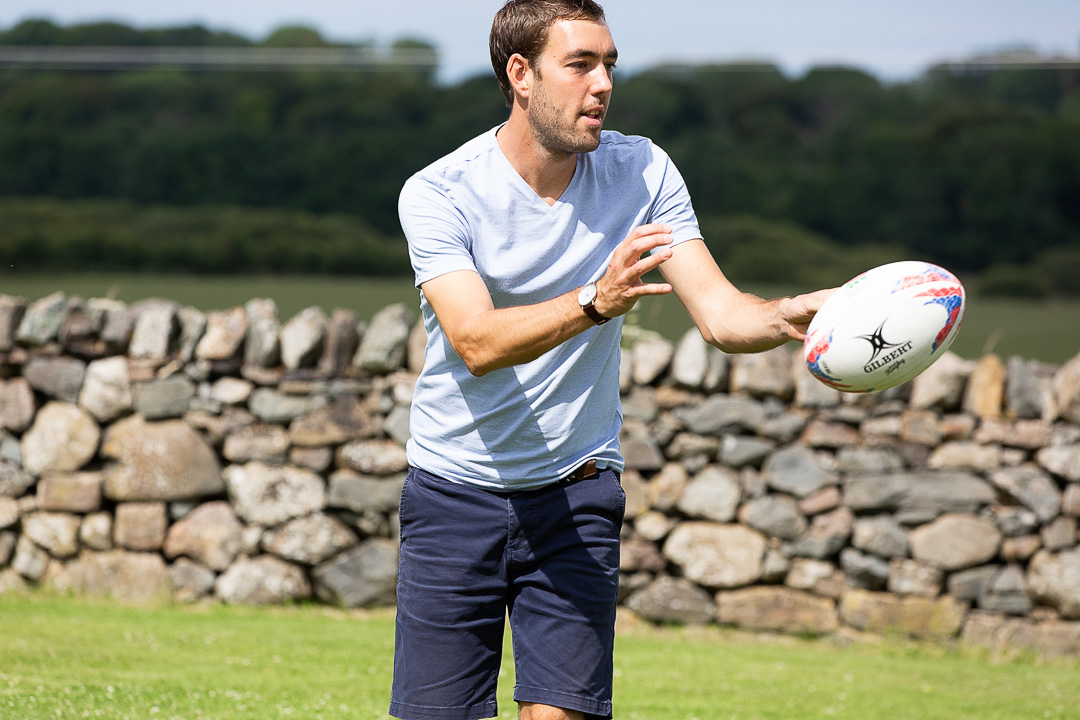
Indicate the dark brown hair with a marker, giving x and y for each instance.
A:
(521, 26)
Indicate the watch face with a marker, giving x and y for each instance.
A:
(587, 294)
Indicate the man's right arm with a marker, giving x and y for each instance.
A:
(488, 338)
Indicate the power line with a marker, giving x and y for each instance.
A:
(217, 58)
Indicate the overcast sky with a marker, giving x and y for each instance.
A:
(892, 39)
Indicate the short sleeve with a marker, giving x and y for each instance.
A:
(672, 204)
(437, 231)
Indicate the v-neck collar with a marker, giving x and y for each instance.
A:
(525, 187)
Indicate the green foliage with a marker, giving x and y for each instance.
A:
(46, 235)
(300, 36)
(948, 167)
(754, 250)
(41, 33)
(970, 168)
(194, 36)
(1011, 281)
(1059, 270)
(32, 32)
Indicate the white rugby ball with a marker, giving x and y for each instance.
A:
(884, 327)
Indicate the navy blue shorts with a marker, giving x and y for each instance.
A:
(548, 558)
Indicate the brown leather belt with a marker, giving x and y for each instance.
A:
(583, 471)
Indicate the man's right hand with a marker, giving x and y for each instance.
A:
(621, 285)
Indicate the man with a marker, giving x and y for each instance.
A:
(529, 244)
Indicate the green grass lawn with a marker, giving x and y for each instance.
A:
(1040, 330)
(76, 658)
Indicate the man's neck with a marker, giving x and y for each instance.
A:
(547, 173)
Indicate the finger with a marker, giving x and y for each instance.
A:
(651, 229)
(647, 263)
(802, 308)
(652, 289)
(645, 237)
(634, 250)
(812, 302)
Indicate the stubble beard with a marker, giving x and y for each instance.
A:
(553, 132)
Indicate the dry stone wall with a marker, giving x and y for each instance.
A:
(152, 450)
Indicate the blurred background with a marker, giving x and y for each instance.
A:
(223, 151)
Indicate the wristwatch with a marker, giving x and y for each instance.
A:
(585, 299)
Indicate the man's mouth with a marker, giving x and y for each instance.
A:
(595, 116)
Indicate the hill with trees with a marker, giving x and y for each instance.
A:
(804, 179)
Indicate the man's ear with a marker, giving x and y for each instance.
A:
(519, 74)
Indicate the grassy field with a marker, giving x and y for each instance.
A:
(1041, 330)
(76, 658)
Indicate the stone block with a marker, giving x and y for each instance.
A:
(673, 600)
(264, 580)
(956, 541)
(712, 494)
(363, 576)
(364, 493)
(56, 377)
(1062, 460)
(652, 356)
(70, 492)
(63, 438)
(880, 535)
(164, 398)
(373, 457)
(827, 534)
(265, 495)
(764, 374)
(224, 336)
(343, 420)
(382, 349)
(42, 320)
(817, 576)
(1032, 487)
(985, 392)
(130, 576)
(777, 609)
(1054, 579)
(17, 404)
(209, 535)
(775, 515)
(140, 525)
(190, 580)
(162, 461)
(911, 577)
(309, 540)
(155, 328)
(261, 344)
(12, 309)
(106, 391)
(264, 443)
(720, 414)
(796, 470)
(924, 618)
(715, 555)
(95, 532)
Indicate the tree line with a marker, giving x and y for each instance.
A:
(794, 178)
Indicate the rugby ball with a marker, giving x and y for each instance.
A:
(884, 327)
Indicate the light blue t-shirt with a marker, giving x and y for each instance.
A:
(526, 426)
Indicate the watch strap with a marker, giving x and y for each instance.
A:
(594, 314)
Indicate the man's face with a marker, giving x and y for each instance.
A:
(572, 86)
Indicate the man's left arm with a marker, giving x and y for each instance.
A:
(727, 318)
